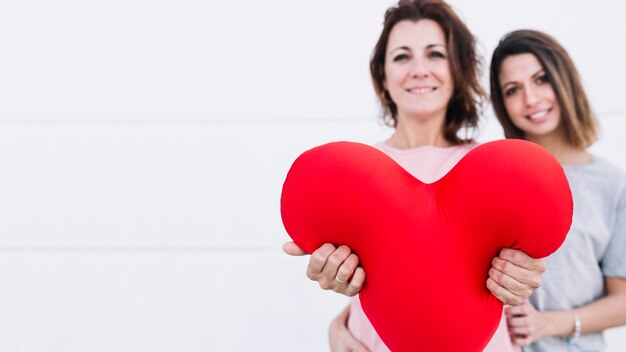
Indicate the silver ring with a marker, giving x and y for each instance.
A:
(339, 280)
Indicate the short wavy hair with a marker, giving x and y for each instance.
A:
(468, 95)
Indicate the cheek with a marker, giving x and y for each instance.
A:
(511, 105)
(549, 93)
(443, 71)
(451, 84)
(513, 109)
(557, 111)
(391, 79)
(508, 106)
(395, 71)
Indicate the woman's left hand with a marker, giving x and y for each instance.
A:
(526, 324)
(514, 276)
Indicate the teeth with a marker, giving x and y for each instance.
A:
(539, 114)
(421, 90)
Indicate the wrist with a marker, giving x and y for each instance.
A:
(572, 339)
(558, 323)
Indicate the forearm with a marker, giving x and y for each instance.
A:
(605, 313)
(602, 314)
(340, 338)
(558, 323)
(340, 320)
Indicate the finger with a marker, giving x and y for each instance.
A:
(511, 269)
(509, 283)
(347, 268)
(292, 248)
(523, 260)
(503, 294)
(528, 280)
(521, 331)
(336, 260)
(318, 261)
(519, 322)
(356, 284)
(516, 311)
(521, 340)
(328, 277)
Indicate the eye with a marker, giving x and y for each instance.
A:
(542, 79)
(400, 57)
(511, 91)
(437, 55)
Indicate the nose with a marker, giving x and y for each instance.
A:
(419, 69)
(531, 96)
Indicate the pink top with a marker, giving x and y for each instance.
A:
(428, 164)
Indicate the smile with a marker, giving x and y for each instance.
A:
(539, 114)
(421, 90)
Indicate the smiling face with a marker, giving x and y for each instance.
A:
(417, 70)
(529, 98)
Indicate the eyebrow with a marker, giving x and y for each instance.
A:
(538, 73)
(429, 46)
(535, 75)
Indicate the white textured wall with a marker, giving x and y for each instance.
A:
(143, 145)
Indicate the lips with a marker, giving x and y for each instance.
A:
(421, 90)
(538, 115)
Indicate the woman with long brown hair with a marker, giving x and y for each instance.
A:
(538, 96)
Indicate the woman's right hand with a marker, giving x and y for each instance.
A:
(340, 338)
(334, 268)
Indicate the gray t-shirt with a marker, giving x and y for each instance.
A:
(595, 248)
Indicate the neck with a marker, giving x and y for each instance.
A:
(563, 151)
(413, 133)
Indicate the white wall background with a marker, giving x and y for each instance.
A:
(143, 145)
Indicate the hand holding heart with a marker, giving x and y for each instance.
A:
(509, 194)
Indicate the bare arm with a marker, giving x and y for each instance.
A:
(528, 325)
(340, 338)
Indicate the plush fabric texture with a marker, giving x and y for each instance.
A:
(430, 242)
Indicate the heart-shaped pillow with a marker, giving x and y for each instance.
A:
(426, 248)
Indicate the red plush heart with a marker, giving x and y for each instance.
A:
(426, 248)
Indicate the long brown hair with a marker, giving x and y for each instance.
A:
(468, 95)
(579, 122)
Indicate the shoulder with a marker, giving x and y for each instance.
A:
(599, 177)
(598, 169)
